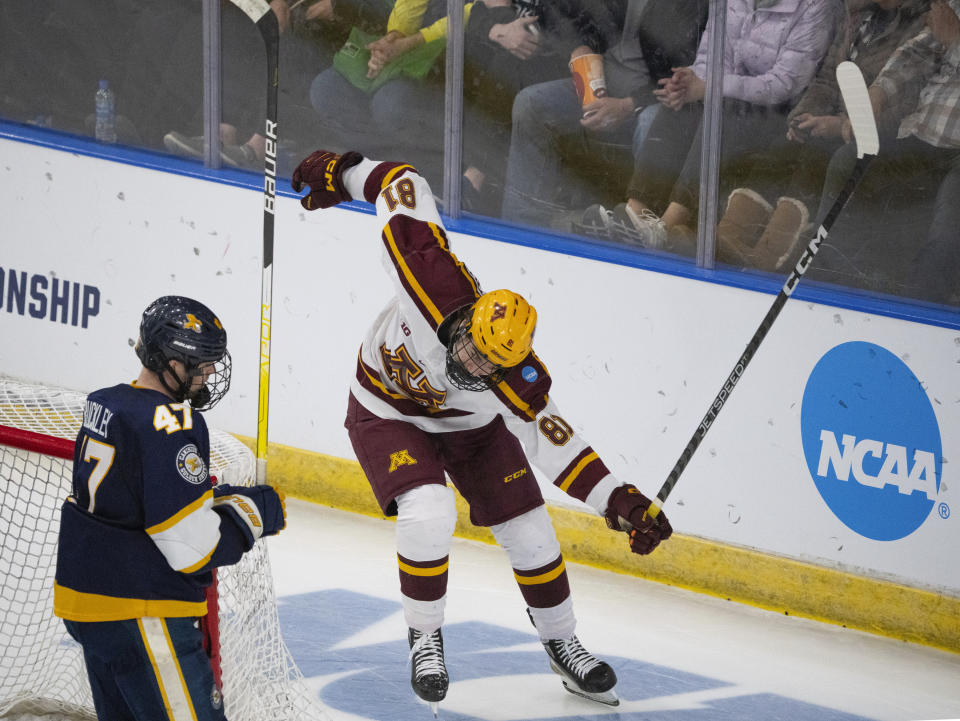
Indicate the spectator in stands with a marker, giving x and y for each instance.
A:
(507, 46)
(773, 48)
(754, 232)
(327, 23)
(498, 66)
(899, 232)
(304, 46)
(937, 264)
(656, 37)
(356, 111)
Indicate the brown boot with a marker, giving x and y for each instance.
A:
(780, 240)
(740, 227)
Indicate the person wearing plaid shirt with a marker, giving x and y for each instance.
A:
(898, 235)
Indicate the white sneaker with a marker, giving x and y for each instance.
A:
(645, 225)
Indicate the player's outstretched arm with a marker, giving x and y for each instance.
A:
(627, 511)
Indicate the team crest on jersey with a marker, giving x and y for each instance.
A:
(216, 698)
(190, 465)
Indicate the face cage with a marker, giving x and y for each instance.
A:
(457, 372)
(210, 393)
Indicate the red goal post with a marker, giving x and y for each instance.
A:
(41, 667)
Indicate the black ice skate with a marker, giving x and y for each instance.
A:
(428, 672)
(581, 672)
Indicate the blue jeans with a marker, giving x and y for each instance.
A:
(128, 662)
(401, 120)
(938, 264)
(898, 233)
(537, 179)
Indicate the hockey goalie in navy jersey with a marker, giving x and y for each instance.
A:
(144, 526)
(447, 384)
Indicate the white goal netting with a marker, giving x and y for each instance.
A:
(41, 667)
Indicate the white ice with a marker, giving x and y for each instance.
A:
(679, 655)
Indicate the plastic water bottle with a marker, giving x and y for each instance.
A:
(106, 130)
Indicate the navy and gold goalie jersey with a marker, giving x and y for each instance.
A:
(139, 534)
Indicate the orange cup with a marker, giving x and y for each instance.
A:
(588, 78)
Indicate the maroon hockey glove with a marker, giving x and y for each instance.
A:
(626, 511)
(323, 170)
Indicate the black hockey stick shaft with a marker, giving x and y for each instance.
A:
(259, 11)
(741, 365)
(864, 127)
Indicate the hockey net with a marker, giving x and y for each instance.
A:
(41, 667)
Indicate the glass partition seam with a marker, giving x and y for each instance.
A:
(211, 83)
(453, 110)
(712, 138)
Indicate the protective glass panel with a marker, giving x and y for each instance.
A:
(378, 85)
(785, 155)
(56, 53)
(573, 89)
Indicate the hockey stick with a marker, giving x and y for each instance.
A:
(259, 11)
(857, 101)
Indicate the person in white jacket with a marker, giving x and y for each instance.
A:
(447, 384)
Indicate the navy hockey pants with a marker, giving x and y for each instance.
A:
(145, 669)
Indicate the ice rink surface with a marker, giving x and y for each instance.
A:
(679, 655)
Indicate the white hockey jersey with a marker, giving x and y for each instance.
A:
(401, 370)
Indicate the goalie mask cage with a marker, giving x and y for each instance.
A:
(41, 667)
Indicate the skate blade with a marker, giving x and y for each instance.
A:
(434, 705)
(608, 698)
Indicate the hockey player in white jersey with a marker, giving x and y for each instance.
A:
(447, 385)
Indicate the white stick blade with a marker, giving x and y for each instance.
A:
(255, 9)
(859, 110)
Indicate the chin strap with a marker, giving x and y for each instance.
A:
(182, 392)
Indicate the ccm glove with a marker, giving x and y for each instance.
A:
(257, 510)
(627, 511)
(323, 170)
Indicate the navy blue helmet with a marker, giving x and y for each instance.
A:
(176, 328)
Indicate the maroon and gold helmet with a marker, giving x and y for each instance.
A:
(502, 325)
(493, 335)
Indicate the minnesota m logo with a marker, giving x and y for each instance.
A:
(499, 311)
(401, 458)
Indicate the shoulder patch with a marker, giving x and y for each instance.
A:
(190, 465)
(524, 389)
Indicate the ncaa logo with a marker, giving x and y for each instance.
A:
(871, 441)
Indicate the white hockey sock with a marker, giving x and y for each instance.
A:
(557, 622)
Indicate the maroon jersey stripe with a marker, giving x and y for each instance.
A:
(582, 474)
(433, 278)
